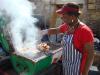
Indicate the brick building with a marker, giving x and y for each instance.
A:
(93, 15)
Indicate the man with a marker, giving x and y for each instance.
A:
(77, 42)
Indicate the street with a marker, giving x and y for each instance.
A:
(51, 71)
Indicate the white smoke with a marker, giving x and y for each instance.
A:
(23, 30)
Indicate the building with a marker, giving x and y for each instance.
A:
(93, 15)
(90, 9)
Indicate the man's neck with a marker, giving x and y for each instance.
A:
(74, 24)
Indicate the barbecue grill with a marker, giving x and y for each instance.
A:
(39, 62)
(32, 65)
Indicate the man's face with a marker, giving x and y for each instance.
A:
(66, 18)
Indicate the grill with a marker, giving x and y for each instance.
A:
(33, 65)
(39, 62)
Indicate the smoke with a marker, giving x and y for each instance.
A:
(23, 30)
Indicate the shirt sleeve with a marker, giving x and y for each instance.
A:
(63, 28)
(87, 36)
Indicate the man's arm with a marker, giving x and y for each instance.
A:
(50, 31)
(89, 48)
(53, 31)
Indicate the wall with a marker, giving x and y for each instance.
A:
(93, 15)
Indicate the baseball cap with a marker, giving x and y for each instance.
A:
(69, 7)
